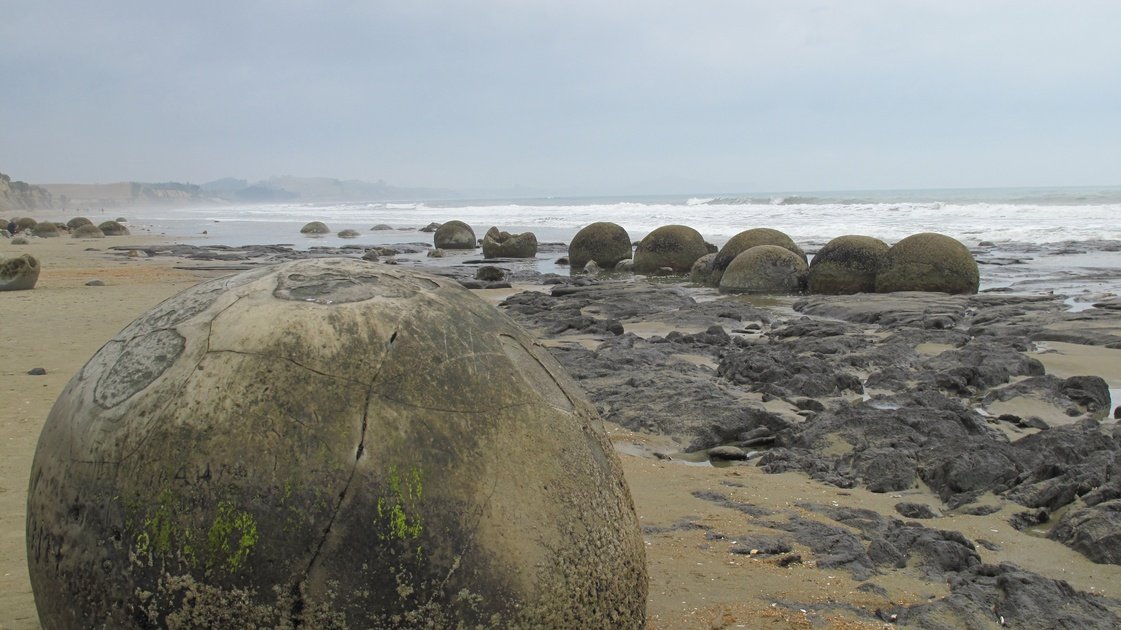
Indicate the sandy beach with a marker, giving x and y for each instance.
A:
(692, 512)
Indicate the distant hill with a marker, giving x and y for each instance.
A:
(122, 194)
(17, 195)
(318, 189)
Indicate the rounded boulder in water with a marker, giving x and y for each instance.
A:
(454, 235)
(329, 443)
(928, 262)
(604, 242)
(315, 227)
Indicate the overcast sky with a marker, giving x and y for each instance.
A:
(566, 95)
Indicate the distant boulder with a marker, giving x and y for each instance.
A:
(604, 242)
(78, 222)
(349, 234)
(382, 227)
(87, 231)
(431, 227)
(315, 227)
(929, 262)
(24, 223)
(671, 246)
(113, 228)
(846, 265)
(45, 229)
(454, 235)
(498, 244)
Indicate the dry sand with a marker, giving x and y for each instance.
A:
(695, 582)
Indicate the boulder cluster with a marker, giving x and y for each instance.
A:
(79, 227)
(763, 260)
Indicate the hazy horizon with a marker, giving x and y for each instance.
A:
(580, 98)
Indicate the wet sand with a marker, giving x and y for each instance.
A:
(695, 581)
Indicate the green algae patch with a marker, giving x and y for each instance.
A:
(398, 515)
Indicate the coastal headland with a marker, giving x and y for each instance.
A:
(796, 462)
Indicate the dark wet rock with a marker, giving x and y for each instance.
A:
(916, 510)
(1093, 531)
(833, 547)
(95, 283)
(674, 246)
(760, 546)
(489, 273)
(38, 371)
(722, 500)
(1006, 595)
(431, 227)
(778, 366)
(454, 235)
(1075, 396)
(498, 244)
(846, 265)
(766, 269)
(19, 273)
(928, 262)
(604, 242)
(1021, 521)
(979, 510)
(922, 310)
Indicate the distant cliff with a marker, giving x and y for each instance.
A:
(125, 194)
(22, 196)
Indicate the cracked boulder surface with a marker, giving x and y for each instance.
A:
(329, 443)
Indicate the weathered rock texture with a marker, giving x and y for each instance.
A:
(764, 269)
(329, 443)
(847, 264)
(928, 262)
(498, 244)
(19, 273)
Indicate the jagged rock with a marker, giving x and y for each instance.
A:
(498, 244)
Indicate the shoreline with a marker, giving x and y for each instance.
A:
(696, 579)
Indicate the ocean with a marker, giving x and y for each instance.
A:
(1062, 240)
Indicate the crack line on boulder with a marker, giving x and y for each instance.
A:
(298, 604)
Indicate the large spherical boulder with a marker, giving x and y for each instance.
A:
(45, 229)
(19, 273)
(349, 233)
(604, 242)
(746, 240)
(764, 269)
(674, 246)
(454, 235)
(497, 244)
(78, 222)
(929, 262)
(315, 227)
(87, 231)
(846, 265)
(113, 228)
(25, 223)
(329, 443)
